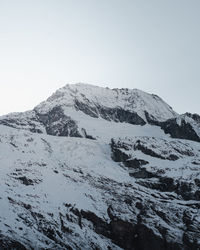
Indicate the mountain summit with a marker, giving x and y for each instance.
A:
(99, 168)
(81, 110)
(98, 100)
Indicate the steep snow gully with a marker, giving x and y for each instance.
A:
(99, 168)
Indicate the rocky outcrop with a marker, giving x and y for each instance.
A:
(27, 121)
(152, 176)
(7, 243)
(185, 126)
(57, 123)
(110, 114)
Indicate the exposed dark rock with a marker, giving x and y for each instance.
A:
(86, 134)
(119, 156)
(190, 240)
(121, 115)
(139, 146)
(30, 123)
(151, 119)
(197, 182)
(182, 131)
(163, 184)
(147, 240)
(196, 163)
(142, 173)
(88, 108)
(57, 123)
(100, 226)
(197, 195)
(135, 163)
(129, 236)
(27, 206)
(110, 114)
(26, 181)
(50, 233)
(185, 189)
(190, 244)
(123, 233)
(10, 244)
(167, 184)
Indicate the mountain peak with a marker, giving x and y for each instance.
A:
(132, 100)
(82, 110)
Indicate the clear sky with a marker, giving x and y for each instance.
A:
(153, 45)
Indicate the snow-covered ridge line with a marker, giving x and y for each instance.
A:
(83, 110)
(132, 100)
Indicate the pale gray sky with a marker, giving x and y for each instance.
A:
(153, 45)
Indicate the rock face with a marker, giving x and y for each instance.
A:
(134, 187)
(57, 123)
(26, 120)
(185, 126)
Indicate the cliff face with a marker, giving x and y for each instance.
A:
(186, 126)
(94, 168)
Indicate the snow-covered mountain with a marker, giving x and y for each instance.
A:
(107, 103)
(74, 109)
(99, 168)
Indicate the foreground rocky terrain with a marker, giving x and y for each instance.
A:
(95, 168)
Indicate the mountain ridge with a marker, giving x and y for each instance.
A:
(128, 99)
(65, 112)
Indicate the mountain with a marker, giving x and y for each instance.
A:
(99, 168)
(67, 110)
(73, 111)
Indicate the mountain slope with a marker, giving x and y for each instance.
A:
(68, 193)
(94, 168)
